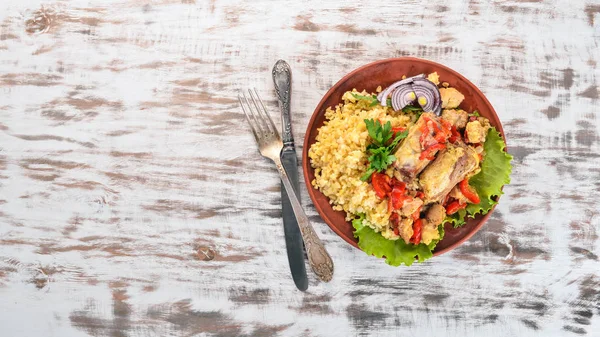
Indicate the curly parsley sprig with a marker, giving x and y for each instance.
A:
(380, 150)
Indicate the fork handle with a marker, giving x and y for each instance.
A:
(318, 258)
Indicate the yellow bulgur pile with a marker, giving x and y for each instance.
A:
(339, 158)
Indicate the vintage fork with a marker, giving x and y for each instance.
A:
(270, 145)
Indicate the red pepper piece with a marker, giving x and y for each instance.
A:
(446, 199)
(454, 206)
(417, 213)
(441, 133)
(395, 182)
(395, 220)
(398, 198)
(429, 152)
(455, 135)
(436, 127)
(381, 184)
(468, 192)
(424, 133)
(438, 133)
(440, 137)
(400, 189)
(417, 227)
(446, 124)
(396, 130)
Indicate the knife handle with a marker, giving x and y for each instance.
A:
(282, 78)
(318, 258)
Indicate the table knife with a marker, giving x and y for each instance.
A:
(282, 78)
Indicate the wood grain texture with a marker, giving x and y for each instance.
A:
(133, 200)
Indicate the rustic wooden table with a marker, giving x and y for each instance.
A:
(133, 200)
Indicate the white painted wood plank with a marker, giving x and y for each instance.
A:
(123, 152)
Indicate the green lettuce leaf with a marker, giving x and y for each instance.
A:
(396, 252)
(457, 219)
(495, 173)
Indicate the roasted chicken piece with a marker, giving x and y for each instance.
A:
(450, 167)
(477, 130)
(451, 98)
(436, 214)
(458, 118)
(429, 232)
(433, 218)
(405, 229)
(408, 162)
(410, 206)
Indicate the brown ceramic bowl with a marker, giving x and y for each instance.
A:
(383, 73)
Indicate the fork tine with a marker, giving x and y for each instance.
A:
(247, 116)
(266, 113)
(252, 111)
(262, 115)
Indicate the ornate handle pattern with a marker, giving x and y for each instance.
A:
(282, 78)
(318, 258)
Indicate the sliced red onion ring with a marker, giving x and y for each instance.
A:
(382, 97)
(403, 96)
(428, 95)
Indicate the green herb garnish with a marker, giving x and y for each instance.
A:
(371, 99)
(411, 108)
(417, 110)
(380, 149)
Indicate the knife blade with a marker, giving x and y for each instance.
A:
(282, 79)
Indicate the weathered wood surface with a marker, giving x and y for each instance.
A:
(133, 201)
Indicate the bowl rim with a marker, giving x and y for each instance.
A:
(320, 106)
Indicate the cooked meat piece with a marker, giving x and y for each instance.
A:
(429, 232)
(405, 229)
(450, 167)
(410, 206)
(408, 163)
(456, 117)
(436, 214)
(455, 193)
(434, 77)
(477, 130)
(451, 98)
